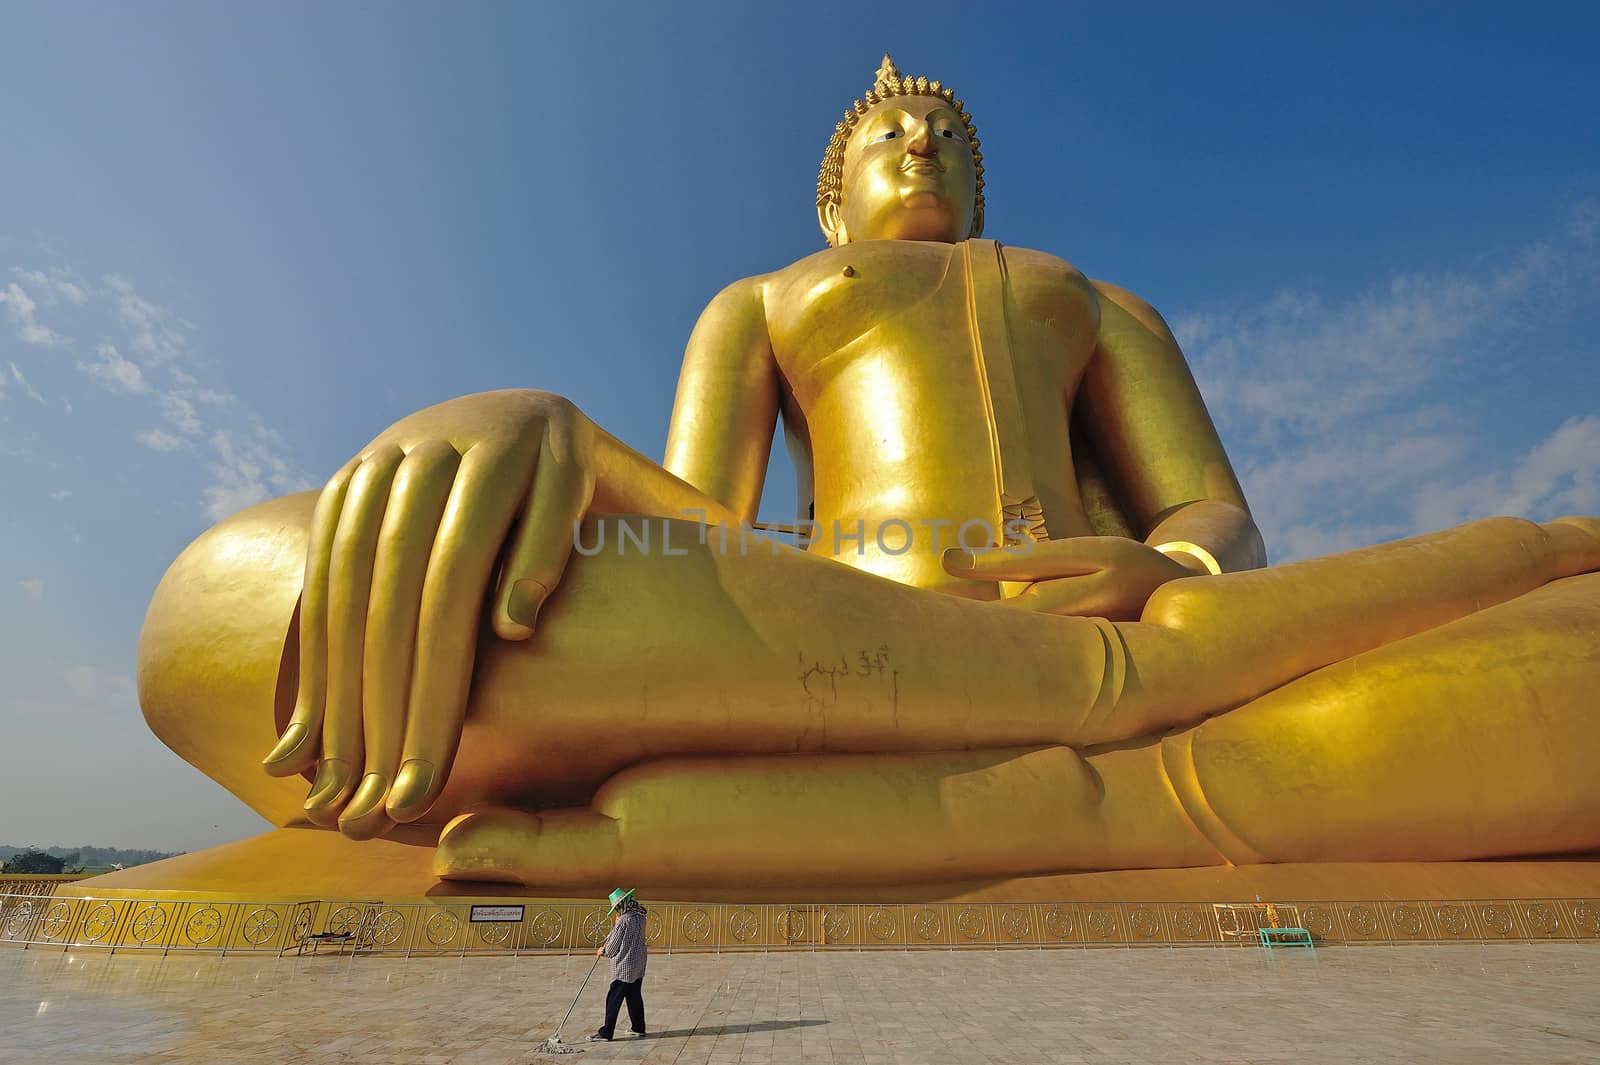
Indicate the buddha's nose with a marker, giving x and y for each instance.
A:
(919, 140)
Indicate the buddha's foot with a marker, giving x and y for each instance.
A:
(801, 819)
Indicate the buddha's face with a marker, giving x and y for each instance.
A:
(908, 175)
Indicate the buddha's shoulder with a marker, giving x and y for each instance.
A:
(1042, 263)
(1042, 271)
(828, 259)
(1133, 306)
(763, 287)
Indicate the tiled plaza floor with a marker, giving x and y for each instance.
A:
(1456, 1003)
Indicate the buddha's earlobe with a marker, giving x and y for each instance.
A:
(832, 223)
(977, 221)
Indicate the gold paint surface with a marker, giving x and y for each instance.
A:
(1029, 632)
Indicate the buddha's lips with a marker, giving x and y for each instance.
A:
(922, 166)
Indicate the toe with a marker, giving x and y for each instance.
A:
(554, 849)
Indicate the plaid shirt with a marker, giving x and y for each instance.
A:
(626, 948)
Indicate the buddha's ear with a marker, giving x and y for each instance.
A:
(832, 223)
(977, 220)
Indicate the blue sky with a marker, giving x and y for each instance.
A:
(235, 243)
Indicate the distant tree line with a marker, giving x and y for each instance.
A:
(62, 860)
(35, 862)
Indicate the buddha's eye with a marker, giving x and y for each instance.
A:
(947, 134)
(886, 135)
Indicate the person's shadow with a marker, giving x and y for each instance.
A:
(730, 1029)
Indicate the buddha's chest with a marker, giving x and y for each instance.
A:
(918, 309)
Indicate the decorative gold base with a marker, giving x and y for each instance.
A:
(459, 927)
(305, 888)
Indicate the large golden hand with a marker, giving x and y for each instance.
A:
(1092, 576)
(404, 541)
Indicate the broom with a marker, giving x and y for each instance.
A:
(554, 1045)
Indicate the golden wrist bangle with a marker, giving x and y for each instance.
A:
(1184, 547)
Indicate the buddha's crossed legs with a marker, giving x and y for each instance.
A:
(852, 728)
(1464, 661)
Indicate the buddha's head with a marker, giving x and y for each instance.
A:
(903, 164)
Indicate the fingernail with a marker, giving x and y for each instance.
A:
(286, 745)
(374, 786)
(332, 775)
(958, 558)
(522, 605)
(410, 790)
(357, 821)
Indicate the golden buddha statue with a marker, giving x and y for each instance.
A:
(1028, 630)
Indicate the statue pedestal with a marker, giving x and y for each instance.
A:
(277, 891)
(306, 863)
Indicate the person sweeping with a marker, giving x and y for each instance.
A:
(626, 948)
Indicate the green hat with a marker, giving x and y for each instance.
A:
(618, 897)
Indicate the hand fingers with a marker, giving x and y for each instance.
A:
(1095, 595)
(1038, 561)
(556, 848)
(563, 485)
(297, 749)
(416, 504)
(488, 487)
(355, 545)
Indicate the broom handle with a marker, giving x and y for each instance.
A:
(579, 995)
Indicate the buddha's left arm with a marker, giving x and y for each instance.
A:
(1143, 412)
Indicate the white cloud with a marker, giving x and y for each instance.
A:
(53, 286)
(27, 389)
(248, 469)
(159, 440)
(34, 589)
(146, 355)
(1351, 422)
(180, 413)
(231, 492)
(61, 494)
(20, 308)
(154, 330)
(114, 371)
(1559, 475)
(1296, 363)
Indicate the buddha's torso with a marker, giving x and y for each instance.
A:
(917, 367)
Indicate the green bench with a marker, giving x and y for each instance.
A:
(1286, 937)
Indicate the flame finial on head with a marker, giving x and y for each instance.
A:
(889, 82)
(887, 71)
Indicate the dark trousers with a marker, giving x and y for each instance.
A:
(631, 993)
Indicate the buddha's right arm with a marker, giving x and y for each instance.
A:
(626, 482)
(727, 403)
